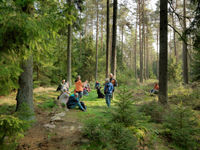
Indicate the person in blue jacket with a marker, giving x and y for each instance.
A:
(108, 90)
(74, 101)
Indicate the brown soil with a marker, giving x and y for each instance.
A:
(65, 136)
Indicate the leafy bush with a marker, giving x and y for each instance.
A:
(153, 109)
(182, 128)
(97, 133)
(10, 127)
(104, 135)
(25, 113)
(174, 71)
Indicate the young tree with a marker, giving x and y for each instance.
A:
(163, 52)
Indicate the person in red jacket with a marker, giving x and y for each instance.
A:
(155, 89)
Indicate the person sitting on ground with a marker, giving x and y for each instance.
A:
(79, 86)
(86, 88)
(155, 90)
(100, 94)
(97, 85)
(74, 101)
(64, 97)
(108, 91)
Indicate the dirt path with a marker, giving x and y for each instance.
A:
(65, 136)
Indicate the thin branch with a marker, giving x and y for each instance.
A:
(183, 39)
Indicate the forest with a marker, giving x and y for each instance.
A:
(131, 66)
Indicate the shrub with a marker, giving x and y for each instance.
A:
(153, 109)
(97, 133)
(181, 127)
(174, 70)
(25, 113)
(104, 135)
(10, 127)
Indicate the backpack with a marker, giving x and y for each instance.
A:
(114, 82)
(108, 88)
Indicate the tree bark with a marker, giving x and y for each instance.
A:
(174, 39)
(163, 52)
(157, 64)
(102, 20)
(141, 44)
(97, 39)
(69, 41)
(185, 51)
(122, 49)
(25, 91)
(147, 49)
(135, 57)
(107, 38)
(114, 36)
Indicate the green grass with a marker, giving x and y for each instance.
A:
(96, 107)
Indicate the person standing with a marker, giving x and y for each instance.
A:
(114, 83)
(108, 91)
(79, 86)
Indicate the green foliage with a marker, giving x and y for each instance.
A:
(10, 127)
(25, 113)
(7, 109)
(48, 104)
(127, 78)
(124, 113)
(85, 67)
(182, 128)
(174, 71)
(195, 72)
(9, 73)
(108, 136)
(153, 109)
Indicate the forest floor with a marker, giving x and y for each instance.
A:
(67, 134)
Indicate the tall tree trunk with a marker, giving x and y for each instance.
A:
(69, 41)
(141, 44)
(114, 36)
(122, 49)
(147, 49)
(135, 57)
(80, 42)
(163, 52)
(185, 51)
(174, 38)
(157, 64)
(102, 20)
(25, 91)
(97, 39)
(107, 38)
(144, 41)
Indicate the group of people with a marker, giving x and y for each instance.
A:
(83, 88)
(109, 88)
(73, 100)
